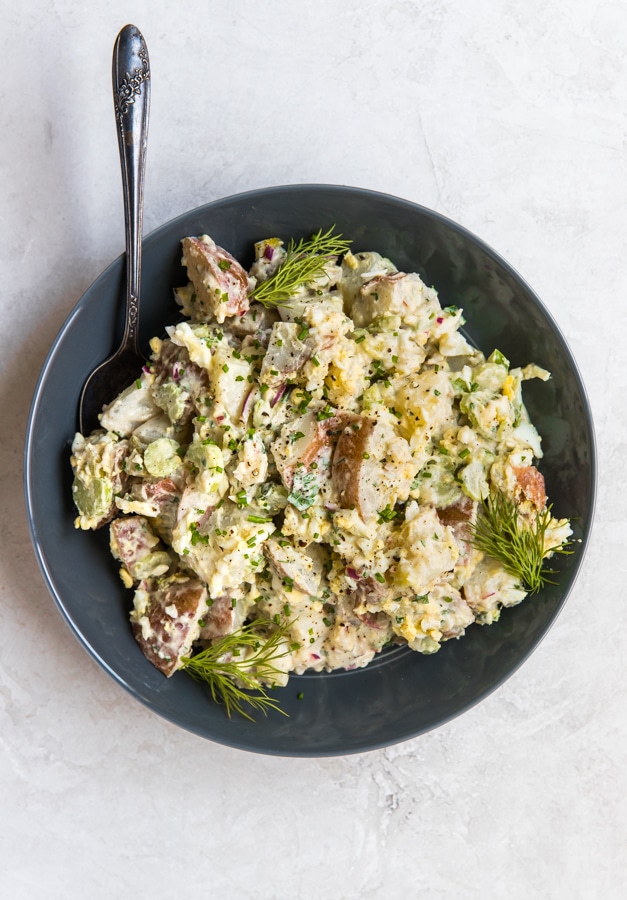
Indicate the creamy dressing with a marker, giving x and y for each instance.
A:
(318, 466)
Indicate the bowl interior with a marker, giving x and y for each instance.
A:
(401, 694)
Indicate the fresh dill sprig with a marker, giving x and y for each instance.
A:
(245, 658)
(500, 532)
(304, 262)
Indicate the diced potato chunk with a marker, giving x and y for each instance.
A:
(220, 284)
(165, 619)
(372, 467)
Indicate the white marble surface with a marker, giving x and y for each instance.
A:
(506, 115)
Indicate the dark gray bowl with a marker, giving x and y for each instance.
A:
(402, 694)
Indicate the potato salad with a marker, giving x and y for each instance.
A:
(311, 451)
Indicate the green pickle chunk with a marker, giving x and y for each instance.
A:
(92, 498)
(161, 457)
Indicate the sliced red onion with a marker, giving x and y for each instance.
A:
(315, 656)
(268, 251)
(247, 404)
(278, 395)
(146, 369)
(352, 573)
(332, 507)
(205, 517)
(371, 621)
(439, 320)
(176, 371)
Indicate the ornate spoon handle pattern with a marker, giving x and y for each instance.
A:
(131, 97)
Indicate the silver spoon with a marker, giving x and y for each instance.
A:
(131, 97)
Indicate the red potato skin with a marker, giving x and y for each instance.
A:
(189, 597)
(218, 619)
(530, 484)
(203, 259)
(374, 620)
(325, 436)
(458, 516)
(373, 284)
(369, 592)
(396, 283)
(132, 538)
(163, 492)
(166, 495)
(187, 502)
(302, 580)
(349, 464)
(458, 513)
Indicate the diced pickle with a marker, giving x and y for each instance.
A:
(161, 457)
(93, 498)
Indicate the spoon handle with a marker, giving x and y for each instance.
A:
(131, 98)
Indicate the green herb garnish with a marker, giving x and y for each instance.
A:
(325, 413)
(304, 262)
(500, 532)
(245, 657)
(304, 491)
(387, 515)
